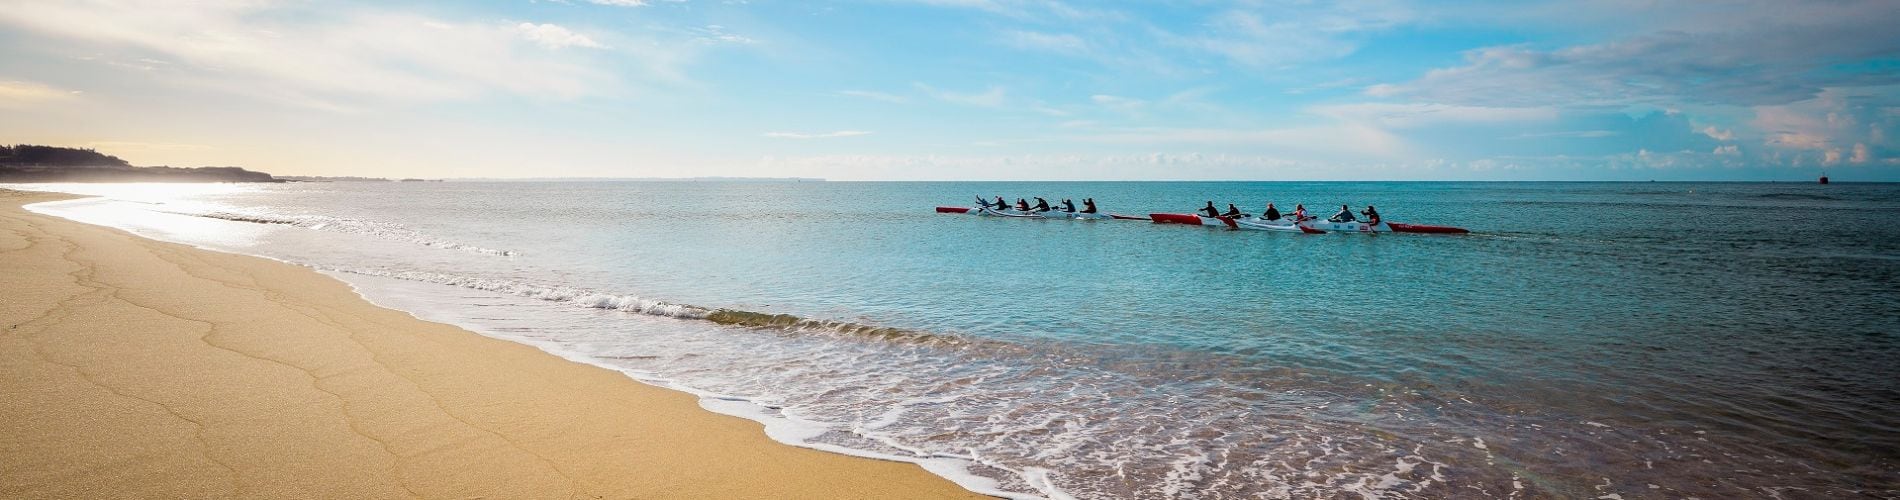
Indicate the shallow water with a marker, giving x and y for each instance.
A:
(1589, 339)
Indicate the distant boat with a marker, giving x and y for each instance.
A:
(1824, 178)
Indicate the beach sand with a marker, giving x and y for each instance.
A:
(136, 368)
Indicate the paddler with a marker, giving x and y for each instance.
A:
(1022, 205)
(1272, 213)
(1088, 205)
(1344, 215)
(1299, 212)
(1042, 205)
(1068, 206)
(1232, 211)
(1001, 204)
(1372, 215)
(1210, 210)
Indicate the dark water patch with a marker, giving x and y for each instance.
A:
(790, 323)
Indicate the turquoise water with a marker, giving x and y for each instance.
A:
(1637, 339)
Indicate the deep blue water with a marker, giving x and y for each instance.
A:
(1638, 339)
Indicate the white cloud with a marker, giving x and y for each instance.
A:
(1060, 43)
(822, 135)
(1280, 33)
(1745, 53)
(328, 58)
(619, 3)
(1726, 150)
(994, 97)
(1119, 103)
(1717, 134)
(875, 96)
(716, 34)
(1861, 154)
(19, 94)
(1571, 134)
(1154, 165)
(555, 37)
(1396, 115)
(1342, 140)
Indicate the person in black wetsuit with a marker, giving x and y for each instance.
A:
(1372, 215)
(1088, 205)
(1068, 206)
(1001, 204)
(1042, 205)
(1232, 211)
(1022, 205)
(1272, 213)
(1344, 215)
(1210, 210)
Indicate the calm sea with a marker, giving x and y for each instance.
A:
(1632, 340)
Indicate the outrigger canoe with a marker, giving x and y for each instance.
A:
(1051, 214)
(1381, 227)
(1281, 224)
(1310, 226)
(1192, 220)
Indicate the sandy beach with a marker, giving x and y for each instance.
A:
(131, 368)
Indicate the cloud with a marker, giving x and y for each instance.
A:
(875, 96)
(1572, 134)
(1282, 33)
(19, 94)
(1119, 103)
(555, 37)
(1834, 120)
(1149, 165)
(329, 58)
(1717, 134)
(619, 3)
(1759, 53)
(823, 135)
(1353, 140)
(1060, 43)
(716, 34)
(1395, 115)
(994, 97)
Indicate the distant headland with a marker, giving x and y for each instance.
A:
(27, 163)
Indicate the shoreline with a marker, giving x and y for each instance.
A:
(139, 368)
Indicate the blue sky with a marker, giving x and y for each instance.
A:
(967, 89)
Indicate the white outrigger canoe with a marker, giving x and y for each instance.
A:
(1381, 227)
(1282, 224)
(1309, 226)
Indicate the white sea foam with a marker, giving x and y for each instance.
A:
(372, 228)
(576, 296)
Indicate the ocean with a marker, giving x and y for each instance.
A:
(1600, 340)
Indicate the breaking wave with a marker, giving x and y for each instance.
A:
(653, 307)
(347, 225)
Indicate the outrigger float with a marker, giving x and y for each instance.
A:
(1247, 223)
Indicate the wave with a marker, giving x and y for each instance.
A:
(346, 225)
(635, 304)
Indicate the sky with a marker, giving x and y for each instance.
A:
(967, 89)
